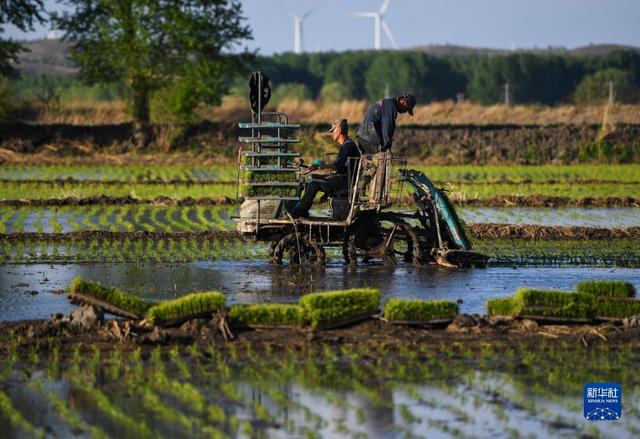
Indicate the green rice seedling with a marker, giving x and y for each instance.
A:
(501, 306)
(607, 288)
(255, 191)
(101, 403)
(189, 306)
(15, 418)
(265, 176)
(334, 307)
(268, 314)
(554, 303)
(419, 310)
(615, 307)
(131, 305)
(68, 415)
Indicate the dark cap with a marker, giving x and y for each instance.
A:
(411, 102)
(340, 123)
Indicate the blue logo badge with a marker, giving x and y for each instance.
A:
(602, 401)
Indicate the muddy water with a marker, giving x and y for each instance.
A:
(36, 291)
(362, 394)
(170, 219)
(566, 216)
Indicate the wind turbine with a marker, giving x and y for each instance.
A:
(379, 22)
(298, 36)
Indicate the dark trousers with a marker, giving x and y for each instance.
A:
(331, 185)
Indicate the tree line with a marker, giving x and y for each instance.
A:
(531, 78)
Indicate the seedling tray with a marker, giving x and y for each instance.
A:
(555, 319)
(267, 140)
(264, 326)
(78, 298)
(268, 125)
(355, 319)
(420, 322)
(176, 322)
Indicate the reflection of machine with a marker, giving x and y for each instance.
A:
(359, 222)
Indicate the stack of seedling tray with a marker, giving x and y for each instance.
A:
(266, 170)
(601, 300)
(613, 300)
(415, 312)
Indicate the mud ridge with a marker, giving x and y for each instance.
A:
(107, 200)
(498, 201)
(548, 201)
(478, 231)
(196, 182)
(86, 235)
(540, 233)
(472, 331)
(158, 181)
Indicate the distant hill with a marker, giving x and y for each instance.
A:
(48, 56)
(452, 49)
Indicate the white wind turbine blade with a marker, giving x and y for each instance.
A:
(309, 12)
(364, 14)
(389, 34)
(384, 7)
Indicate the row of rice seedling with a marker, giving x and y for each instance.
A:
(481, 191)
(106, 172)
(127, 250)
(57, 190)
(607, 253)
(330, 389)
(520, 173)
(16, 420)
(602, 299)
(125, 218)
(440, 173)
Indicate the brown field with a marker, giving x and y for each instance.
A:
(236, 109)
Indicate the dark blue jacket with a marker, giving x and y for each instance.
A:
(347, 149)
(379, 123)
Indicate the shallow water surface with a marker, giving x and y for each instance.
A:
(36, 291)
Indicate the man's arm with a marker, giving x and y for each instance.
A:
(388, 123)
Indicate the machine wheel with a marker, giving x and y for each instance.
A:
(385, 236)
(298, 249)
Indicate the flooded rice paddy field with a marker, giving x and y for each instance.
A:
(128, 218)
(354, 391)
(37, 291)
(451, 390)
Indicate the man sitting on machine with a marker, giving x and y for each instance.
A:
(336, 182)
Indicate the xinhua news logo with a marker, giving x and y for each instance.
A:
(602, 401)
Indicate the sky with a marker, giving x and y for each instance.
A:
(504, 24)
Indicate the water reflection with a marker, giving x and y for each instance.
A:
(33, 291)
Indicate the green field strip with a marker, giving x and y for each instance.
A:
(102, 404)
(125, 173)
(569, 190)
(15, 417)
(65, 413)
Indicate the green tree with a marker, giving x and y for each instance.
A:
(594, 88)
(23, 14)
(333, 92)
(291, 90)
(153, 45)
(532, 78)
(349, 69)
(429, 78)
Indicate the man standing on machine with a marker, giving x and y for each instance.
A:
(337, 181)
(375, 138)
